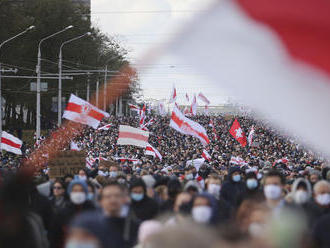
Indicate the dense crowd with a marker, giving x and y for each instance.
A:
(280, 196)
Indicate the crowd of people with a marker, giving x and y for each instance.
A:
(279, 196)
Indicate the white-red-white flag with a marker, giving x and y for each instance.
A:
(161, 109)
(214, 132)
(173, 95)
(255, 39)
(10, 143)
(251, 135)
(203, 98)
(74, 146)
(134, 107)
(132, 136)
(186, 126)
(78, 110)
(105, 127)
(142, 115)
(150, 150)
(237, 161)
(206, 155)
(193, 107)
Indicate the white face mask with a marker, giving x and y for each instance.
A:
(201, 214)
(84, 178)
(189, 176)
(323, 199)
(256, 229)
(272, 191)
(301, 197)
(214, 189)
(80, 244)
(78, 197)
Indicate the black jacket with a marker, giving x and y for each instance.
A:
(145, 209)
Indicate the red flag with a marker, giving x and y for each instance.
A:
(150, 150)
(133, 107)
(203, 98)
(193, 107)
(237, 132)
(206, 155)
(173, 95)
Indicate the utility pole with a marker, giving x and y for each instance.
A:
(87, 98)
(97, 92)
(105, 89)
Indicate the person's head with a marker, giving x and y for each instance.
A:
(82, 175)
(322, 193)
(58, 188)
(273, 185)
(235, 174)
(112, 199)
(252, 181)
(301, 191)
(88, 230)
(113, 170)
(182, 203)
(68, 178)
(213, 185)
(314, 176)
(78, 190)
(137, 190)
(91, 191)
(202, 209)
(188, 175)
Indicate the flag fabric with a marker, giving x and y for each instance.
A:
(237, 132)
(90, 162)
(206, 155)
(206, 110)
(132, 136)
(78, 110)
(250, 137)
(197, 163)
(74, 146)
(123, 159)
(173, 95)
(186, 111)
(161, 109)
(255, 39)
(145, 126)
(203, 98)
(282, 160)
(193, 107)
(10, 143)
(150, 150)
(186, 126)
(214, 132)
(133, 107)
(105, 127)
(237, 161)
(142, 115)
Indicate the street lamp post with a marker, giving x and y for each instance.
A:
(4, 42)
(38, 70)
(59, 98)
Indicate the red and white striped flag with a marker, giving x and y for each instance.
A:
(193, 107)
(78, 110)
(186, 126)
(150, 150)
(10, 143)
(132, 136)
(173, 95)
(142, 115)
(238, 161)
(161, 109)
(206, 155)
(187, 97)
(105, 127)
(74, 146)
(90, 162)
(134, 107)
(257, 38)
(203, 98)
(282, 160)
(250, 137)
(145, 126)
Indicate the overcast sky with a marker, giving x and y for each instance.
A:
(142, 24)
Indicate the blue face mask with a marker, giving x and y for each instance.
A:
(237, 178)
(79, 244)
(137, 197)
(252, 183)
(113, 173)
(90, 196)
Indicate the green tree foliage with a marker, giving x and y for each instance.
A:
(50, 16)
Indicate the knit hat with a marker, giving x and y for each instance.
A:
(80, 182)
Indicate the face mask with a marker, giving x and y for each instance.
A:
(252, 183)
(259, 176)
(272, 191)
(256, 229)
(78, 197)
(84, 178)
(113, 173)
(202, 214)
(78, 244)
(214, 189)
(137, 197)
(323, 199)
(300, 197)
(189, 176)
(90, 196)
(121, 181)
(103, 173)
(237, 178)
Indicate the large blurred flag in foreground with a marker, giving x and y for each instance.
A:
(273, 55)
(132, 136)
(10, 143)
